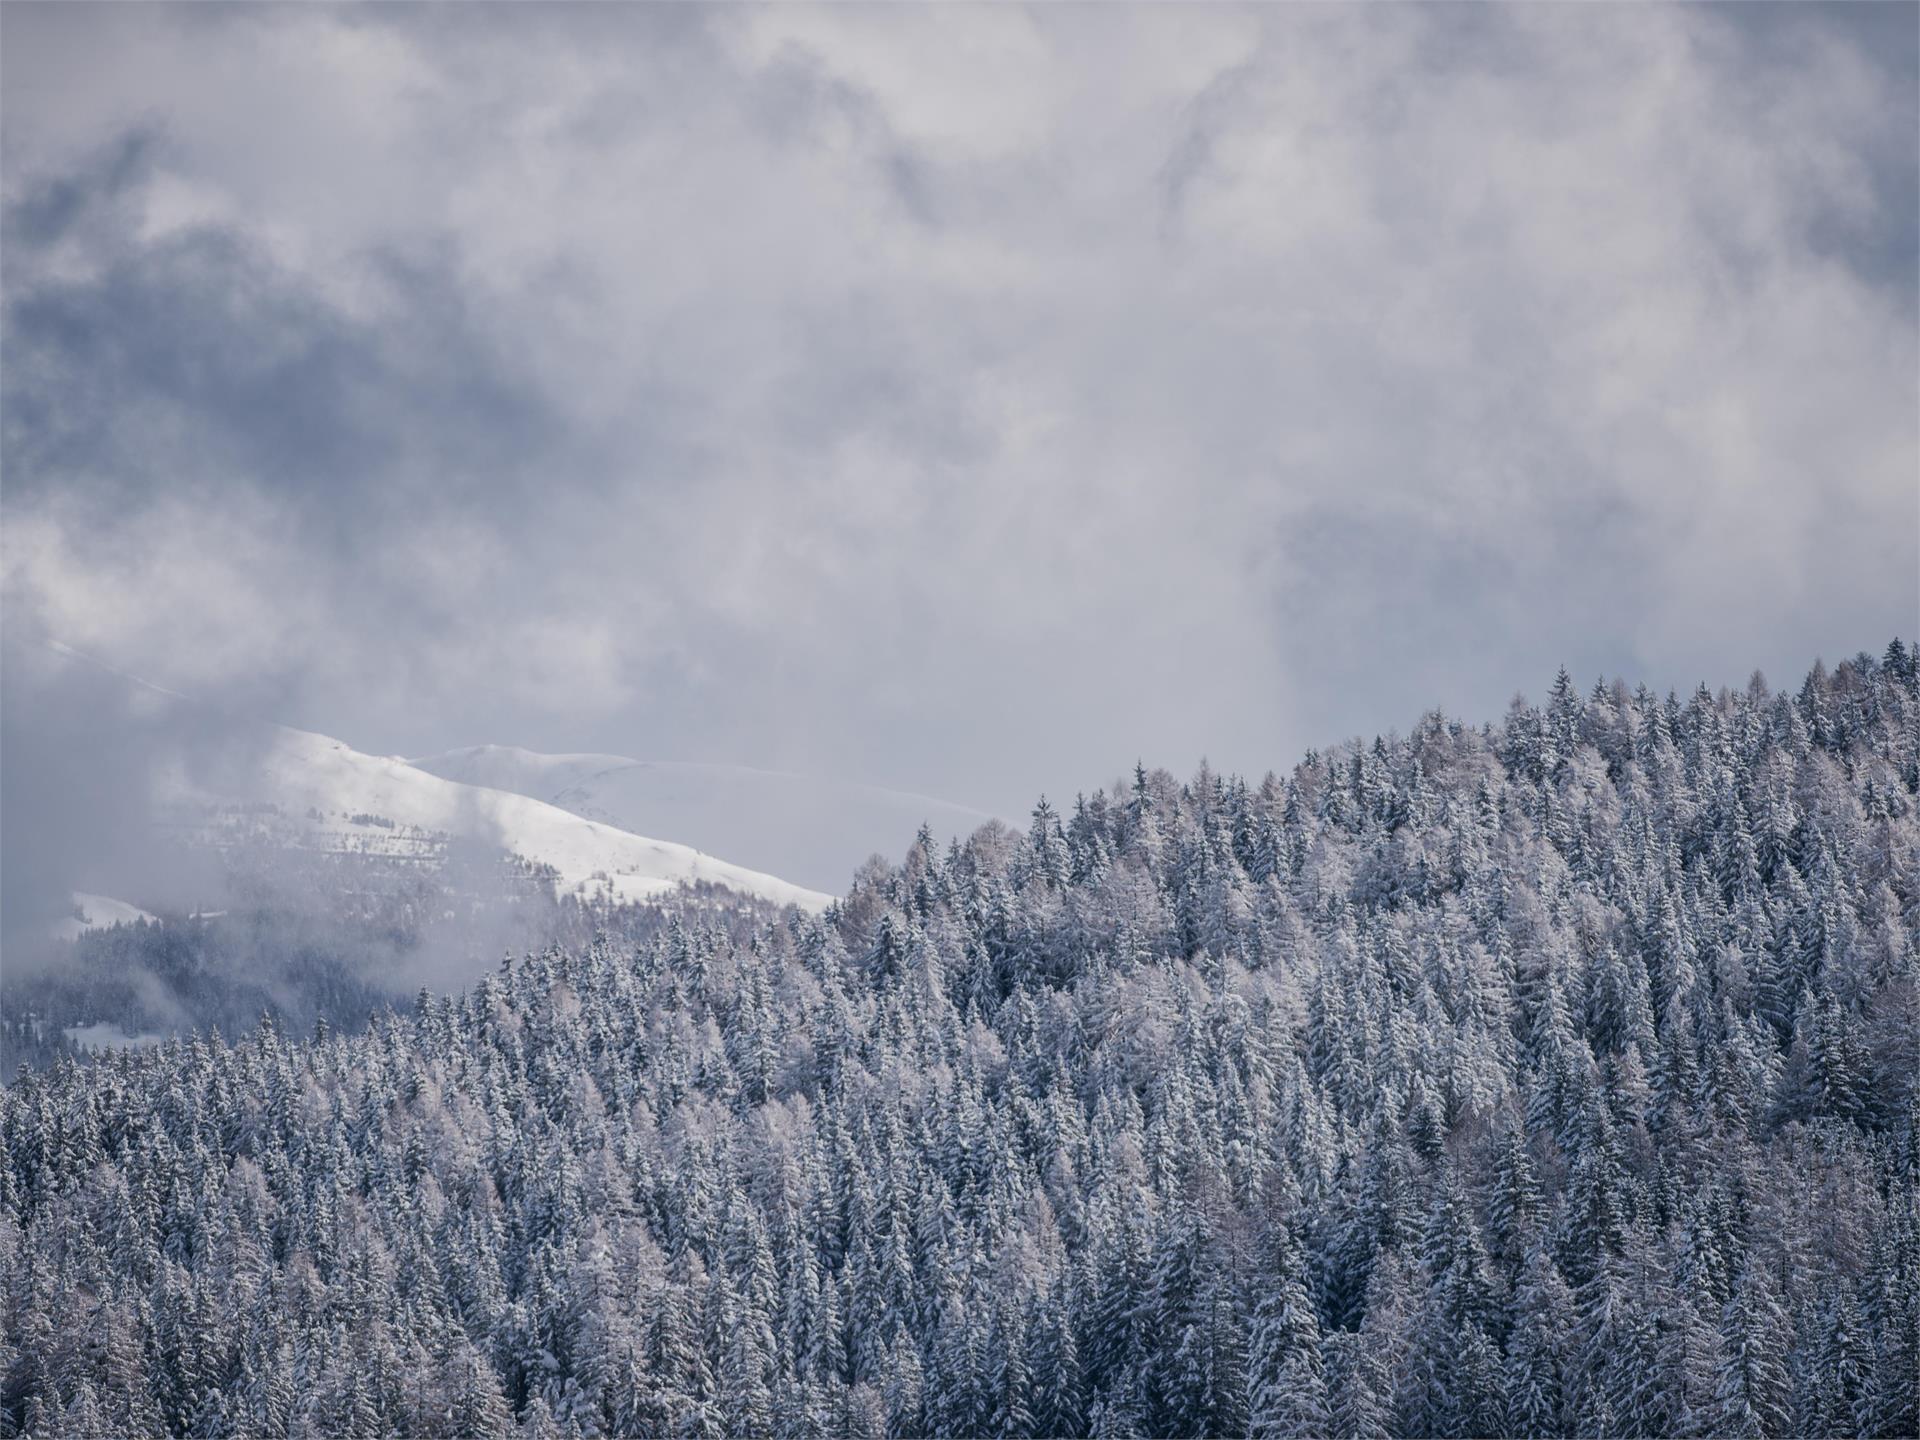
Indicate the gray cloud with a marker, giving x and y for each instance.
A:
(81, 747)
(968, 400)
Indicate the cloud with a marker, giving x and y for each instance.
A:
(81, 746)
(967, 400)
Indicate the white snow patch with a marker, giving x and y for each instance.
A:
(304, 774)
(102, 1036)
(95, 912)
(817, 830)
(314, 792)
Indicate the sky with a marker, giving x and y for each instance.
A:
(964, 399)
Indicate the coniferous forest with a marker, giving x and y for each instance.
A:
(1554, 1077)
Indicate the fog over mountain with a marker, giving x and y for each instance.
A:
(798, 721)
(967, 401)
(813, 831)
(1554, 1078)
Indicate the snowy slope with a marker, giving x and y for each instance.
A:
(94, 911)
(340, 798)
(816, 831)
(103, 1035)
(245, 788)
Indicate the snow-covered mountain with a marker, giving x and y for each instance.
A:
(816, 831)
(259, 795)
(94, 911)
(318, 793)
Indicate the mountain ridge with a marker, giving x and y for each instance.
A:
(814, 830)
(262, 784)
(304, 771)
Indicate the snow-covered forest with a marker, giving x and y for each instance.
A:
(1549, 1078)
(336, 938)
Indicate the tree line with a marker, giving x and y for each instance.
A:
(1554, 1077)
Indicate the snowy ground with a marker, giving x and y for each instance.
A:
(815, 831)
(102, 1036)
(336, 798)
(96, 911)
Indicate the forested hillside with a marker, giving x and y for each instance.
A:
(1555, 1077)
(306, 938)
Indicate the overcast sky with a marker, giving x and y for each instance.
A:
(963, 399)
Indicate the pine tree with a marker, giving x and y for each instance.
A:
(1059, 1406)
(1287, 1392)
(1539, 1349)
(1752, 1390)
(1356, 1410)
(1847, 1403)
(1455, 1085)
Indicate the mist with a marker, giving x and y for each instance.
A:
(81, 749)
(732, 386)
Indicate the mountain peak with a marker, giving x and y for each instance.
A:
(817, 830)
